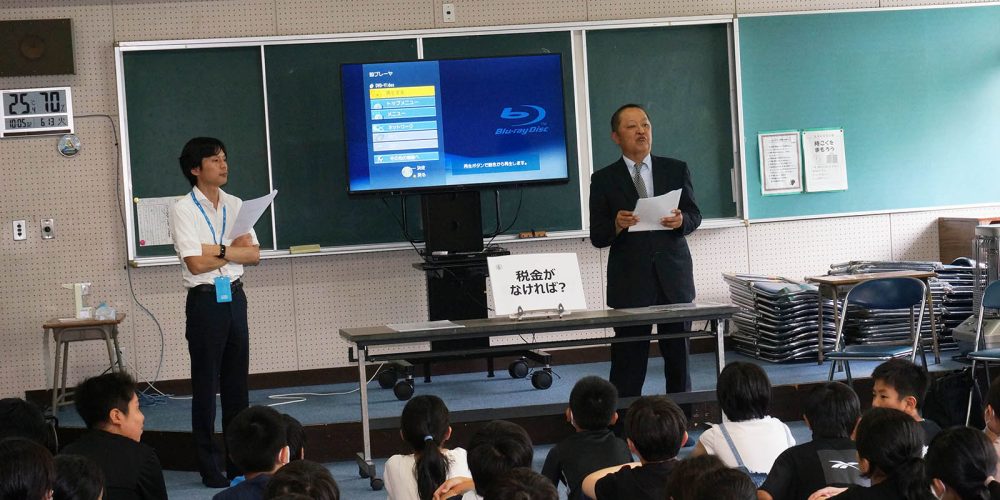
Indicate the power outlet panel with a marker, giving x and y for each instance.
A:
(48, 229)
(20, 230)
(448, 12)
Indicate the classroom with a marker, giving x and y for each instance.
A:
(919, 105)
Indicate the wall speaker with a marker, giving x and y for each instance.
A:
(36, 47)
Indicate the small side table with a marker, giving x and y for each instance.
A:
(65, 331)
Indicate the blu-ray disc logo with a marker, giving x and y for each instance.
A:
(534, 115)
(509, 114)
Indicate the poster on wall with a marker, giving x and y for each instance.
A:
(780, 162)
(825, 160)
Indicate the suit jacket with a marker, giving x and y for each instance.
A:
(131, 470)
(643, 263)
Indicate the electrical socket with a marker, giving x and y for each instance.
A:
(48, 229)
(20, 230)
(448, 12)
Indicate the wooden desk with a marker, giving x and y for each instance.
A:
(63, 332)
(366, 337)
(835, 283)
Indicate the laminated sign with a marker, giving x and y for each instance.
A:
(547, 282)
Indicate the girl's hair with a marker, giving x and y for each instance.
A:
(424, 424)
(892, 443)
(962, 458)
(744, 391)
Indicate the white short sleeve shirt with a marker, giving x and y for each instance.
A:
(189, 230)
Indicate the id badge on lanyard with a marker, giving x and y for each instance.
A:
(223, 285)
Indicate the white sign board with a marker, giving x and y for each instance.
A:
(536, 282)
(825, 161)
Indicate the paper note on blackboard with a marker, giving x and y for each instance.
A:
(152, 219)
(780, 163)
(825, 161)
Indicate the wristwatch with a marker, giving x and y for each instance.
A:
(222, 252)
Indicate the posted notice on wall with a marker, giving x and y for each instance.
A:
(153, 220)
(825, 160)
(780, 162)
(536, 282)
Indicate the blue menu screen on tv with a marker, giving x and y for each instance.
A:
(421, 125)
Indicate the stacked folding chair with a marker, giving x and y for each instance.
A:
(778, 318)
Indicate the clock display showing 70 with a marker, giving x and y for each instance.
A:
(34, 103)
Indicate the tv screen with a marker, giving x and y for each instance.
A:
(433, 124)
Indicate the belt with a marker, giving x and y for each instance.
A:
(207, 288)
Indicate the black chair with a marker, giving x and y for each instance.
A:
(991, 300)
(885, 293)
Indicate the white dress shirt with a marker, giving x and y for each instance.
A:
(189, 230)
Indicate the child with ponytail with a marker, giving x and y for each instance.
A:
(424, 426)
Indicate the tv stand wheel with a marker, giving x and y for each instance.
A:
(518, 369)
(387, 378)
(377, 484)
(541, 379)
(403, 390)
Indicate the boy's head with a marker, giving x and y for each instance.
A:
(77, 478)
(744, 391)
(108, 402)
(831, 410)
(725, 484)
(19, 418)
(522, 483)
(900, 384)
(683, 480)
(592, 404)
(656, 428)
(256, 439)
(303, 477)
(296, 436)
(495, 449)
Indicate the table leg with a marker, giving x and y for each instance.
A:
(111, 348)
(819, 325)
(720, 346)
(366, 466)
(934, 332)
(55, 381)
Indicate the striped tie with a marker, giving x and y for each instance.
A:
(640, 185)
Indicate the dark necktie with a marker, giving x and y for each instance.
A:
(640, 185)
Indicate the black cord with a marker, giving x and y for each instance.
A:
(402, 226)
(517, 213)
(128, 269)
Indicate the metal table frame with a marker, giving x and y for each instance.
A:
(365, 337)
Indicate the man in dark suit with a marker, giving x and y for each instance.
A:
(646, 267)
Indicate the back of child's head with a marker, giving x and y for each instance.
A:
(97, 396)
(27, 471)
(77, 478)
(295, 435)
(656, 426)
(725, 484)
(522, 483)
(893, 443)
(303, 477)
(744, 391)
(832, 410)
(962, 458)
(255, 437)
(593, 401)
(424, 426)
(684, 478)
(993, 396)
(20, 418)
(495, 449)
(905, 377)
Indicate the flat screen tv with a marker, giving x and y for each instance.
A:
(452, 123)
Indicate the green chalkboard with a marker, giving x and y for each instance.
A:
(917, 93)
(174, 95)
(680, 75)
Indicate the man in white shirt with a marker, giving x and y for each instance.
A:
(216, 308)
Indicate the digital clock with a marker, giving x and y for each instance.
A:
(28, 112)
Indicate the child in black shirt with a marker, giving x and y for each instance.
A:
(591, 412)
(831, 410)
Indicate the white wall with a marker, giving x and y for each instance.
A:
(297, 305)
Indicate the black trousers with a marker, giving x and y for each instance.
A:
(219, 344)
(629, 359)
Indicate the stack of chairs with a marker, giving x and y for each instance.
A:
(778, 318)
(951, 291)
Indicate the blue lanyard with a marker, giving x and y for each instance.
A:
(209, 221)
